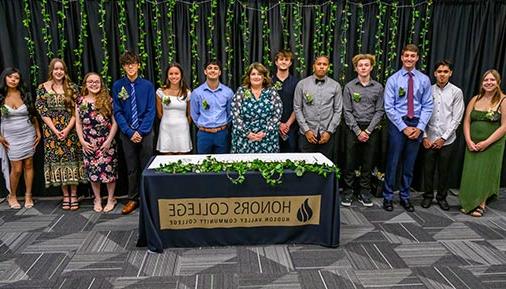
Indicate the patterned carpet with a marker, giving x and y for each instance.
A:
(45, 247)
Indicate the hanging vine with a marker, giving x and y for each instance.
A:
(378, 47)
(61, 27)
(122, 26)
(229, 50)
(171, 41)
(297, 35)
(423, 37)
(245, 37)
(211, 48)
(346, 14)
(140, 5)
(83, 34)
(392, 42)
(360, 26)
(46, 37)
(319, 31)
(329, 32)
(158, 43)
(284, 23)
(105, 60)
(194, 19)
(415, 15)
(30, 44)
(266, 32)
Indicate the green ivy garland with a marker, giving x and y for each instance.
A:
(319, 35)
(329, 30)
(423, 37)
(46, 19)
(415, 15)
(245, 37)
(122, 26)
(30, 44)
(346, 14)
(105, 61)
(360, 26)
(194, 19)
(392, 43)
(211, 28)
(379, 36)
(284, 23)
(143, 55)
(171, 41)
(297, 35)
(272, 172)
(61, 27)
(266, 31)
(158, 43)
(83, 35)
(229, 50)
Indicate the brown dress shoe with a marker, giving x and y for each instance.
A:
(129, 207)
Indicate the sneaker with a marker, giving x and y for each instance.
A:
(346, 200)
(365, 200)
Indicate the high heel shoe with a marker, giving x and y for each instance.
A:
(111, 203)
(13, 204)
(28, 201)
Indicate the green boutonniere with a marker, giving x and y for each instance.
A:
(83, 106)
(166, 100)
(278, 85)
(123, 94)
(402, 92)
(356, 97)
(247, 93)
(491, 115)
(4, 110)
(205, 105)
(308, 98)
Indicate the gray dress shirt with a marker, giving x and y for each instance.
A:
(447, 113)
(318, 107)
(363, 104)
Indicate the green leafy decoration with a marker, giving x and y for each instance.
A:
(266, 32)
(415, 15)
(329, 32)
(194, 19)
(158, 42)
(105, 60)
(122, 26)
(423, 36)
(345, 15)
(284, 23)
(30, 44)
(46, 37)
(245, 37)
(297, 35)
(143, 55)
(83, 35)
(360, 26)
(318, 34)
(379, 36)
(271, 171)
(61, 27)
(229, 50)
(211, 48)
(392, 42)
(171, 41)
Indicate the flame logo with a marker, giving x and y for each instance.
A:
(305, 212)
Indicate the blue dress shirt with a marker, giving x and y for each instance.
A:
(145, 96)
(218, 111)
(396, 98)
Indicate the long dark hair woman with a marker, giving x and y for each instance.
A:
(19, 134)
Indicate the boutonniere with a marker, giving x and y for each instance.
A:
(4, 110)
(205, 105)
(402, 92)
(247, 93)
(278, 85)
(491, 115)
(123, 94)
(356, 97)
(166, 100)
(308, 98)
(83, 106)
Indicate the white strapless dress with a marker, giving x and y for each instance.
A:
(174, 133)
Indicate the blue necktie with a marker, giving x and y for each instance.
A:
(133, 102)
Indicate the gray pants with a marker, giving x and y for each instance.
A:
(137, 156)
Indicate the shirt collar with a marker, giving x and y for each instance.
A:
(134, 82)
(357, 82)
(206, 87)
(404, 72)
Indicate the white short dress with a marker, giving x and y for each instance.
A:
(174, 133)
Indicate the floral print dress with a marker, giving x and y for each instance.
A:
(101, 166)
(63, 163)
(254, 115)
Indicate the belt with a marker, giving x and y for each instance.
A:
(213, 129)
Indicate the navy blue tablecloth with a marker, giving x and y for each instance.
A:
(156, 186)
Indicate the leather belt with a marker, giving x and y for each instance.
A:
(213, 129)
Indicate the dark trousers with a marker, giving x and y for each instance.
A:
(290, 144)
(359, 155)
(137, 156)
(400, 150)
(441, 159)
(212, 143)
(325, 149)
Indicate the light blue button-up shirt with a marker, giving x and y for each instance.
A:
(396, 99)
(218, 110)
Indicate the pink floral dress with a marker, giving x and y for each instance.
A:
(100, 166)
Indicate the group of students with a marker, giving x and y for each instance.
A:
(264, 115)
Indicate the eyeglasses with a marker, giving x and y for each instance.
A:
(93, 81)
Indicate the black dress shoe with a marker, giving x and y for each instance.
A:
(388, 205)
(443, 204)
(426, 203)
(407, 206)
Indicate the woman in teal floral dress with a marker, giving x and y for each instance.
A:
(63, 165)
(256, 112)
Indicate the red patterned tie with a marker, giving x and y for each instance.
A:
(411, 105)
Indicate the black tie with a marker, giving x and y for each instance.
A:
(319, 81)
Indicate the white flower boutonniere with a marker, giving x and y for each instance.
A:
(492, 115)
(166, 100)
(278, 85)
(308, 98)
(356, 97)
(247, 93)
(123, 94)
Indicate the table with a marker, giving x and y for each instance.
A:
(207, 209)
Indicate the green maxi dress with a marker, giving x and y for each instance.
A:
(481, 174)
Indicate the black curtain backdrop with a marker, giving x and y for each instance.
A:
(470, 33)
